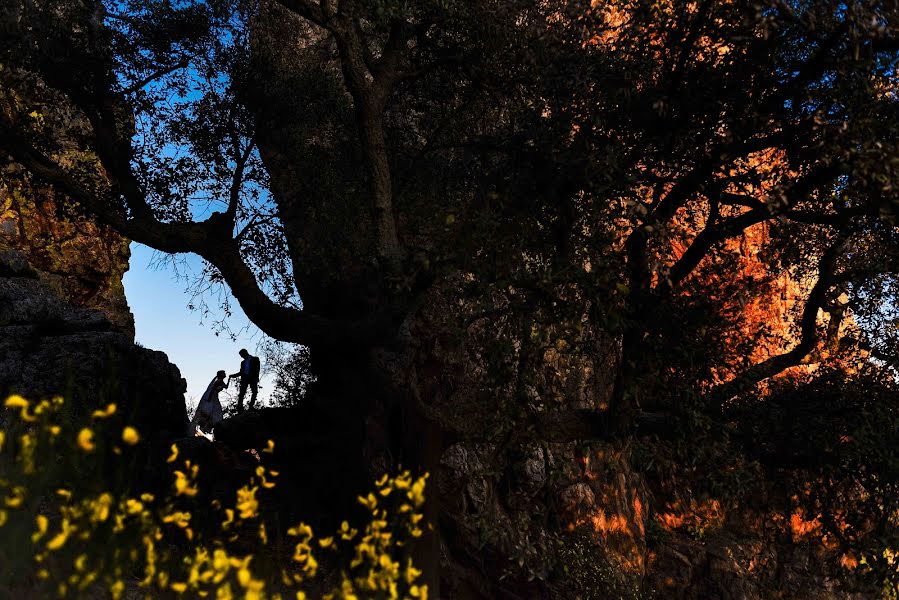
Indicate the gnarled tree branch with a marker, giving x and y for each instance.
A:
(205, 238)
(808, 340)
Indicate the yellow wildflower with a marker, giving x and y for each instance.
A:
(179, 587)
(326, 542)
(182, 485)
(104, 413)
(260, 472)
(301, 552)
(179, 518)
(416, 492)
(54, 430)
(241, 563)
(224, 592)
(302, 530)
(60, 538)
(16, 401)
(130, 436)
(269, 447)
(346, 533)
(174, 455)
(41, 522)
(419, 591)
(133, 506)
(369, 502)
(87, 580)
(254, 593)
(411, 572)
(150, 569)
(346, 589)
(17, 498)
(117, 589)
(229, 514)
(388, 565)
(378, 525)
(247, 503)
(101, 507)
(262, 535)
(86, 440)
(28, 445)
(311, 566)
(80, 562)
(403, 481)
(220, 561)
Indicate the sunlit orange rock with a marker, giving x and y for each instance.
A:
(83, 261)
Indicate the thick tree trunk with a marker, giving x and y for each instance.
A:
(369, 401)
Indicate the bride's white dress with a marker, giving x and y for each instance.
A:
(209, 411)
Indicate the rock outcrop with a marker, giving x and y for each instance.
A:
(65, 327)
(83, 262)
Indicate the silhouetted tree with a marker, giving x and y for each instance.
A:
(433, 196)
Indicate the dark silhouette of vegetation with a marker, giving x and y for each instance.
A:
(455, 206)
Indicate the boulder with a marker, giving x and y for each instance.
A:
(50, 346)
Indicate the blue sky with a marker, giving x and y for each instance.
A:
(163, 321)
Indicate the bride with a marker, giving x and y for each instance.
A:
(209, 410)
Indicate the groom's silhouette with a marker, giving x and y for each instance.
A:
(249, 376)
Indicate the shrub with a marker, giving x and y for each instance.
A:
(72, 525)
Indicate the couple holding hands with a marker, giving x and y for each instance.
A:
(209, 412)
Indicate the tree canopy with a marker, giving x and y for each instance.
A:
(448, 196)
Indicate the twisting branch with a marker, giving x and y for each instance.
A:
(707, 238)
(367, 56)
(740, 200)
(161, 72)
(237, 182)
(369, 82)
(369, 99)
(213, 239)
(718, 232)
(640, 299)
(808, 340)
(254, 222)
(207, 239)
(386, 69)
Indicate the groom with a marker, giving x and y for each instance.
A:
(249, 376)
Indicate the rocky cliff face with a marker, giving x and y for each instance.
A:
(65, 327)
(82, 261)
